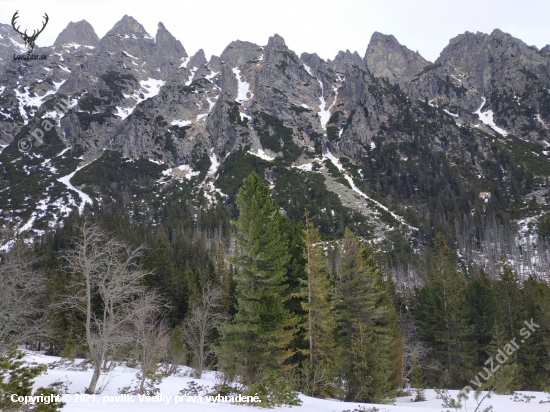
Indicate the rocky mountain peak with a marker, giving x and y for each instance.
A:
(10, 42)
(498, 57)
(128, 26)
(386, 57)
(168, 52)
(215, 62)
(80, 32)
(276, 42)
(197, 60)
(239, 52)
(277, 49)
(168, 43)
(346, 59)
(312, 60)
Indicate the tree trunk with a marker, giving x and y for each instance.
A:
(142, 383)
(95, 377)
(200, 361)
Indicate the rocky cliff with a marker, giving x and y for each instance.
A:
(469, 120)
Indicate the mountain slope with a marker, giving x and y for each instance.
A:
(433, 146)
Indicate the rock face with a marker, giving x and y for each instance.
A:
(483, 106)
(10, 43)
(197, 60)
(491, 61)
(27, 85)
(145, 96)
(386, 57)
(495, 72)
(80, 32)
(128, 66)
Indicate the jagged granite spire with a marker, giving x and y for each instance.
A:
(80, 32)
(197, 60)
(167, 50)
(128, 26)
(386, 57)
(345, 59)
(239, 52)
(167, 42)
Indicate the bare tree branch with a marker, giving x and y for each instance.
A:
(21, 296)
(202, 321)
(150, 337)
(108, 280)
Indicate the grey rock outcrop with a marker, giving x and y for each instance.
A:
(345, 60)
(197, 60)
(10, 43)
(148, 97)
(386, 57)
(80, 32)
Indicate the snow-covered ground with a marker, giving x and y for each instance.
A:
(149, 88)
(337, 163)
(66, 180)
(243, 89)
(121, 376)
(262, 155)
(487, 118)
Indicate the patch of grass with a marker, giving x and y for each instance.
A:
(89, 103)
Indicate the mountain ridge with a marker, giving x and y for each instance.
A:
(386, 117)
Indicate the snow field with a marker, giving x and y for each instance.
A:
(487, 118)
(77, 378)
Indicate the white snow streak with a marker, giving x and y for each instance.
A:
(487, 118)
(243, 88)
(336, 163)
(149, 88)
(181, 123)
(262, 155)
(66, 180)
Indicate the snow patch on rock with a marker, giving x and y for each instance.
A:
(487, 118)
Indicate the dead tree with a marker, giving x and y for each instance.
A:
(203, 320)
(108, 280)
(21, 296)
(413, 349)
(150, 338)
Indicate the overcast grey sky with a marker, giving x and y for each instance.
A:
(320, 26)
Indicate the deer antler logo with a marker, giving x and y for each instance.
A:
(29, 40)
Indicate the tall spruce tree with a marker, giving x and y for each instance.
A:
(534, 356)
(511, 312)
(254, 347)
(320, 366)
(365, 334)
(168, 279)
(443, 319)
(482, 305)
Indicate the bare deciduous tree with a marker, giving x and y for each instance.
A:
(413, 349)
(150, 337)
(108, 282)
(21, 295)
(201, 322)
